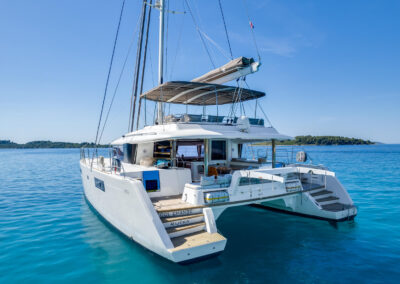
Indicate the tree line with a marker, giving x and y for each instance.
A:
(45, 144)
(325, 140)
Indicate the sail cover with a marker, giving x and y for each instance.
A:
(234, 69)
(194, 93)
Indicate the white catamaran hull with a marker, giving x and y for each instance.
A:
(183, 231)
(126, 206)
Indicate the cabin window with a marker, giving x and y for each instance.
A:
(240, 150)
(99, 184)
(218, 150)
(249, 181)
(162, 150)
(190, 150)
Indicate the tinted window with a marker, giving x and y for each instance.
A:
(129, 151)
(218, 150)
(250, 181)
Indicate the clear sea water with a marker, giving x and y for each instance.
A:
(49, 234)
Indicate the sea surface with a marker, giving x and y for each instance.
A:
(49, 234)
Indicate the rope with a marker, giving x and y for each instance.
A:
(226, 30)
(119, 79)
(252, 31)
(109, 71)
(219, 48)
(201, 37)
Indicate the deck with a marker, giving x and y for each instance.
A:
(195, 239)
(172, 203)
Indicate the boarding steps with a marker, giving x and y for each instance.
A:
(327, 200)
(186, 226)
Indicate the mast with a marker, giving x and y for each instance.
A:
(160, 59)
(137, 68)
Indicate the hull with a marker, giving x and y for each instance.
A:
(125, 205)
(181, 229)
(265, 206)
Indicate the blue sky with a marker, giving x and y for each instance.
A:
(328, 67)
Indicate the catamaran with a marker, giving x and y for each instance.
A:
(165, 185)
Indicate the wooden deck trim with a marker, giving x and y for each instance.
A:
(195, 239)
(172, 219)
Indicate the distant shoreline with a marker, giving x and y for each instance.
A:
(298, 141)
(320, 141)
(7, 144)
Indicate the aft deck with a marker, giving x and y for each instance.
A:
(196, 239)
(172, 203)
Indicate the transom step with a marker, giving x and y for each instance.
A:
(336, 207)
(322, 192)
(196, 239)
(174, 232)
(182, 220)
(326, 199)
(172, 219)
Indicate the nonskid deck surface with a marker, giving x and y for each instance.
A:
(195, 239)
(172, 203)
(336, 207)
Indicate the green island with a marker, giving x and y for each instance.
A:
(7, 144)
(322, 140)
(298, 140)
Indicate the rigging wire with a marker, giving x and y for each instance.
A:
(119, 79)
(259, 105)
(226, 30)
(137, 67)
(252, 31)
(198, 30)
(219, 48)
(109, 72)
(144, 64)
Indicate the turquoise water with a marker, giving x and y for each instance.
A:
(48, 233)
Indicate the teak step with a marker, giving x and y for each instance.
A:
(329, 198)
(322, 192)
(171, 209)
(196, 239)
(178, 218)
(183, 228)
(180, 212)
(169, 222)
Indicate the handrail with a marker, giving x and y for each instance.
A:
(310, 170)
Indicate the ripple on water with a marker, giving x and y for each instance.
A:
(48, 233)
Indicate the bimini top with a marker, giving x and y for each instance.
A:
(199, 131)
(195, 93)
